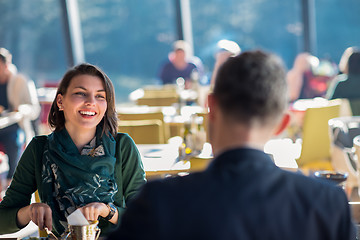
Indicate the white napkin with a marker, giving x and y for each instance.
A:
(77, 219)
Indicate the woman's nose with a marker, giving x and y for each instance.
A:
(90, 100)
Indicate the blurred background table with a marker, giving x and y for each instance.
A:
(160, 160)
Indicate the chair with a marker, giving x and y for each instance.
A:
(198, 164)
(147, 116)
(143, 131)
(343, 130)
(157, 101)
(158, 96)
(315, 147)
(42, 233)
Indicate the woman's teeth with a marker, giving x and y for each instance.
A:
(87, 113)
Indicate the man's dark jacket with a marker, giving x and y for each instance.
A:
(241, 195)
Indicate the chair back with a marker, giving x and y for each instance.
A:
(42, 233)
(198, 164)
(147, 116)
(315, 134)
(143, 131)
(158, 96)
(157, 101)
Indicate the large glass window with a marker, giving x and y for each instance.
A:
(274, 25)
(337, 26)
(32, 31)
(128, 39)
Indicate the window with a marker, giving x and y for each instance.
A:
(32, 31)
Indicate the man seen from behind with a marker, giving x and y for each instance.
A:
(242, 194)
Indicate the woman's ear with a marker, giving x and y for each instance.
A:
(59, 101)
(282, 124)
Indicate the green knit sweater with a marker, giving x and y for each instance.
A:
(129, 176)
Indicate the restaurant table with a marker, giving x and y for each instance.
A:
(160, 160)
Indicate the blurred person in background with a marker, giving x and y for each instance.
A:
(17, 94)
(225, 49)
(347, 84)
(180, 64)
(309, 77)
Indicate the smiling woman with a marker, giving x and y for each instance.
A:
(84, 164)
(83, 105)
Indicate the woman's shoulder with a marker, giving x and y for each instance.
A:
(125, 144)
(40, 138)
(123, 138)
(38, 141)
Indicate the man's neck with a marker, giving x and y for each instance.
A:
(239, 137)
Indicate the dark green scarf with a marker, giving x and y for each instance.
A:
(72, 180)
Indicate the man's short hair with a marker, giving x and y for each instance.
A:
(252, 87)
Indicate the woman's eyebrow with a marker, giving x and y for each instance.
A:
(83, 88)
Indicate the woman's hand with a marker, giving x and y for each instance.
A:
(92, 211)
(39, 213)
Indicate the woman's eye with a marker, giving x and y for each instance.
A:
(100, 96)
(80, 94)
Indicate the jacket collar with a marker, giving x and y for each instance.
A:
(240, 159)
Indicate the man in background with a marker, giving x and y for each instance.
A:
(242, 194)
(17, 94)
(181, 65)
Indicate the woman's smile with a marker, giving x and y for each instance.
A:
(84, 104)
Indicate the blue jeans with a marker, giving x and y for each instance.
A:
(12, 143)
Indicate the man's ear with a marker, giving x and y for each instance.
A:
(282, 125)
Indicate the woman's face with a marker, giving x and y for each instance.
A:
(84, 103)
